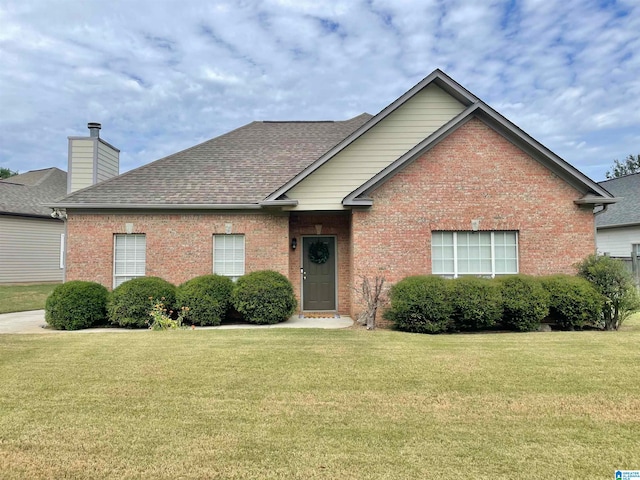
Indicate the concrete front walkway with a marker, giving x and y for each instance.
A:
(33, 322)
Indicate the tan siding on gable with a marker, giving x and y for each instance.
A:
(81, 168)
(407, 126)
(108, 162)
(30, 250)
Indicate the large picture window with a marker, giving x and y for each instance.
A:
(474, 253)
(228, 255)
(129, 257)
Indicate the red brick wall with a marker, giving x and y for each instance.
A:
(179, 246)
(474, 173)
(332, 224)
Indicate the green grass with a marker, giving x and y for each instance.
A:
(312, 404)
(21, 298)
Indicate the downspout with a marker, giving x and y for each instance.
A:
(61, 214)
(595, 228)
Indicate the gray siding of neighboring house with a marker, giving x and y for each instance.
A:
(30, 249)
(616, 242)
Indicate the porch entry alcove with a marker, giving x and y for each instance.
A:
(318, 273)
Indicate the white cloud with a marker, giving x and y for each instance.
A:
(162, 77)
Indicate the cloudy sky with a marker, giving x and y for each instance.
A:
(163, 75)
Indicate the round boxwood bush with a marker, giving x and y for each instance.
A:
(207, 297)
(132, 300)
(75, 305)
(264, 297)
(477, 303)
(525, 303)
(421, 304)
(573, 301)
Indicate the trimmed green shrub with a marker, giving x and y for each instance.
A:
(611, 278)
(421, 304)
(75, 305)
(477, 303)
(525, 303)
(573, 301)
(131, 301)
(207, 297)
(264, 297)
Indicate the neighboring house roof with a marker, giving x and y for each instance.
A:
(25, 194)
(241, 167)
(627, 210)
(258, 164)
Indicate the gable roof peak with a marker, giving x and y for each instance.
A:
(437, 77)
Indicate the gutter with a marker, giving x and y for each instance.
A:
(279, 203)
(595, 201)
(156, 206)
(618, 225)
(27, 215)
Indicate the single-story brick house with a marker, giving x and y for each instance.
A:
(437, 182)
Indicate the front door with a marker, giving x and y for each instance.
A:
(319, 273)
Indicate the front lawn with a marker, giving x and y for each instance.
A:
(313, 404)
(21, 298)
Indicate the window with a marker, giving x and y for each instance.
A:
(129, 257)
(474, 253)
(228, 255)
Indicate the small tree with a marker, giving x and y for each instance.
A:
(7, 172)
(612, 279)
(630, 165)
(373, 297)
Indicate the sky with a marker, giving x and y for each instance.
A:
(164, 75)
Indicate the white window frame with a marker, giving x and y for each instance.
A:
(133, 270)
(492, 273)
(229, 264)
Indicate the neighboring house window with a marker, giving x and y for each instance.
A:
(228, 255)
(129, 257)
(474, 253)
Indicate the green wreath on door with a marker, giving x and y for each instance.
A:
(319, 252)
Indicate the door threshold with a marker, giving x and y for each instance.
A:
(321, 314)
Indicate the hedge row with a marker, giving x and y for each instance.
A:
(431, 304)
(263, 297)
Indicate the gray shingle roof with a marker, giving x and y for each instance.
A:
(240, 167)
(26, 193)
(627, 210)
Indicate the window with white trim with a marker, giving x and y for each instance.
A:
(129, 257)
(474, 253)
(228, 255)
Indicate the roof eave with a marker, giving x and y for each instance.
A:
(157, 206)
(279, 203)
(591, 200)
(534, 148)
(358, 202)
(617, 225)
(28, 215)
(596, 194)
